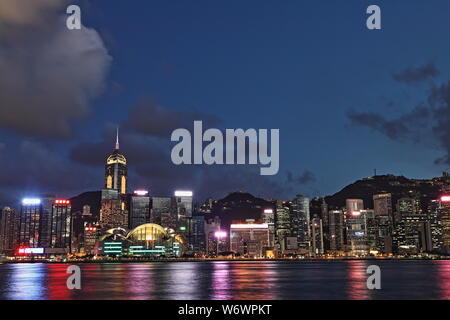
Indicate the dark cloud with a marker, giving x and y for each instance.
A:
(48, 74)
(150, 118)
(407, 126)
(303, 178)
(416, 74)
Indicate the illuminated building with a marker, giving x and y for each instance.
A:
(145, 240)
(198, 239)
(384, 231)
(336, 229)
(382, 204)
(435, 226)
(89, 238)
(356, 224)
(249, 239)
(268, 217)
(31, 222)
(317, 236)
(116, 170)
(60, 232)
(111, 213)
(354, 205)
(139, 208)
(300, 221)
(282, 225)
(444, 211)
(164, 212)
(8, 229)
(183, 200)
(414, 234)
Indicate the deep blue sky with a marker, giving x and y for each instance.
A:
(299, 66)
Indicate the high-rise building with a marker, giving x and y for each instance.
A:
(268, 216)
(183, 200)
(60, 231)
(116, 170)
(354, 205)
(317, 236)
(444, 212)
(249, 239)
(139, 208)
(435, 225)
(111, 213)
(300, 221)
(164, 212)
(8, 229)
(414, 234)
(357, 233)
(336, 227)
(282, 225)
(382, 204)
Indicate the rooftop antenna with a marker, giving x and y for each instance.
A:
(117, 139)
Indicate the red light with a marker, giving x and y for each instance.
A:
(61, 201)
(445, 198)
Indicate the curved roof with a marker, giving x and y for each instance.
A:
(147, 232)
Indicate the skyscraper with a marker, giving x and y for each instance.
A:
(8, 228)
(336, 229)
(60, 232)
(354, 205)
(300, 218)
(116, 170)
(139, 208)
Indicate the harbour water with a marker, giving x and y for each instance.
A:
(224, 280)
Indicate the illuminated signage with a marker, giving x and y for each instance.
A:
(356, 213)
(250, 226)
(182, 228)
(268, 211)
(220, 234)
(445, 198)
(90, 229)
(31, 250)
(31, 201)
(62, 201)
(183, 193)
(141, 192)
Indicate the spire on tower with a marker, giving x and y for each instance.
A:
(117, 139)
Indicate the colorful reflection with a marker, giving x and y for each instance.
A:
(443, 277)
(221, 281)
(27, 281)
(357, 280)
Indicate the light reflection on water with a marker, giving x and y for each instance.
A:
(224, 280)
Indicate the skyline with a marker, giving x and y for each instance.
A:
(346, 100)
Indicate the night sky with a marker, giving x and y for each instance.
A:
(346, 99)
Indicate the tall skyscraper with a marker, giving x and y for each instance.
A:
(183, 200)
(139, 208)
(444, 210)
(300, 218)
(382, 204)
(116, 170)
(8, 229)
(336, 231)
(282, 225)
(317, 236)
(111, 213)
(357, 233)
(60, 232)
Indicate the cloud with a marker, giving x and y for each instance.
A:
(48, 74)
(303, 178)
(407, 126)
(416, 74)
(149, 118)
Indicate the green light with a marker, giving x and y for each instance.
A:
(182, 228)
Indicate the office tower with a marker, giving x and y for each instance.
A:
(444, 212)
(111, 213)
(198, 240)
(89, 238)
(371, 226)
(317, 236)
(406, 206)
(384, 231)
(8, 228)
(357, 233)
(34, 228)
(336, 229)
(300, 220)
(268, 216)
(139, 208)
(211, 227)
(183, 200)
(249, 239)
(282, 225)
(382, 204)
(164, 212)
(60, 231)
(354, 205)
(414, 234)
(116, 170)
(435, 226)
